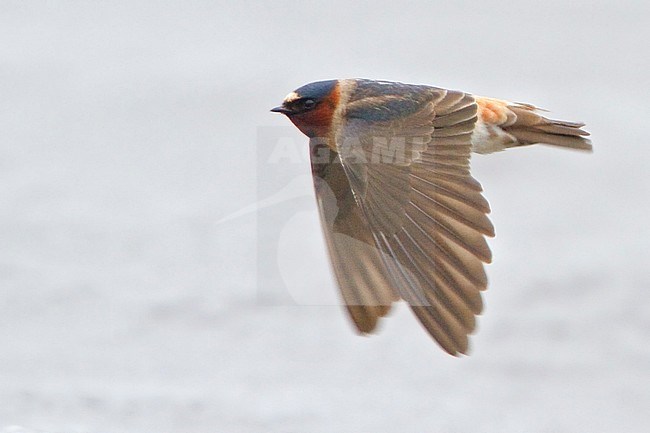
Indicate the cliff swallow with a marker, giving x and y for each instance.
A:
(403, 217)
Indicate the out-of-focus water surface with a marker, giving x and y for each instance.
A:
(132, 300)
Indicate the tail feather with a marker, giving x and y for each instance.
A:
(532, 136)
(530, 128)
(504, 124)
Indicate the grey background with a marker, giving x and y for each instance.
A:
(130, 130)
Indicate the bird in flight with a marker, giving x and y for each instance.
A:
(403, 217)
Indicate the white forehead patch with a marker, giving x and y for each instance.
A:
(291, 97)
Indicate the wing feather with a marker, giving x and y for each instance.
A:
(423, 213)
(366, 285)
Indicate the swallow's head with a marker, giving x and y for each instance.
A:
(311, 107)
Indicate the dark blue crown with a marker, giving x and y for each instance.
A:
(317, 90)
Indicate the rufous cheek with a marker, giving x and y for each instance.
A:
(315, 123)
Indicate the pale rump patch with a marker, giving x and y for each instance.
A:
(493, 111)
(489, 135)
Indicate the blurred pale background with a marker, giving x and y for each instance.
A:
(130, 129)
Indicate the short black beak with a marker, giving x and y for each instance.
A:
(280, 109)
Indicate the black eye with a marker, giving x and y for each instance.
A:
(308, 104)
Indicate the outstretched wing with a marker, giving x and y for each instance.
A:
(366, 286)
(405, 156)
